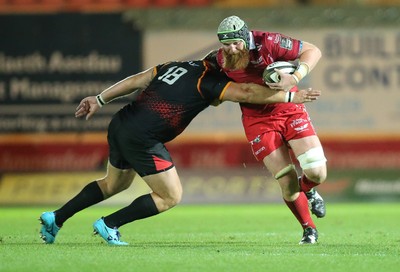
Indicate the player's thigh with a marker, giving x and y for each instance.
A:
(302, 145)
(165, 184)
(277, 159)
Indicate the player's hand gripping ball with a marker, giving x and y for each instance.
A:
(271, 76)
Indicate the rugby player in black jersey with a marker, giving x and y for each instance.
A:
(171, 95)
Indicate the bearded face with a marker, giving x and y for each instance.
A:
(237, 61)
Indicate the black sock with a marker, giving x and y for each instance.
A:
(141, 207)
(90, 195)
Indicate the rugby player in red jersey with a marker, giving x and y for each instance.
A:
(274, 128)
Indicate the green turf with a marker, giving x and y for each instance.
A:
(353, 237)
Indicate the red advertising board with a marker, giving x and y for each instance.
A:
(76, 152)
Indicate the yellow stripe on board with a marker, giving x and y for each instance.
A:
(57, 188)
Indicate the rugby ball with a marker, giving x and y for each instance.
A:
(269, 74)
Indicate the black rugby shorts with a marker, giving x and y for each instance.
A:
(128, 153)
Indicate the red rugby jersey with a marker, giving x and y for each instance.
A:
(268, 47)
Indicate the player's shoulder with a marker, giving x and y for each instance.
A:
(265, 36)
(183, 64)
(161, 66)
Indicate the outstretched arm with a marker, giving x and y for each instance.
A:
(89, 105)
(257, 94)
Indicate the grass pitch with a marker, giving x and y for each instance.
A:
(353, 237)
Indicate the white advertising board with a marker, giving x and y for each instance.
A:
(359, 75)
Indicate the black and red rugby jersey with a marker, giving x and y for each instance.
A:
(177, 93)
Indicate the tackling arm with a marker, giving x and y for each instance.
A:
(89, 105)
(127, 86)
(257, 94)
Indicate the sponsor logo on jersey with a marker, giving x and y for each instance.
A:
(256, 140)
(301, 128)
(259, 151)
(300, 125)
(286, 43)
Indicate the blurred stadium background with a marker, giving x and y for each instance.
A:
(55, 52)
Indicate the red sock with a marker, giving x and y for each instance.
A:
(305, 184)
(299, 208)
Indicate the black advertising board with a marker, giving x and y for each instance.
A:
(49, 62)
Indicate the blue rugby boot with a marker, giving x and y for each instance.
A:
(49, 228)
(111, 236)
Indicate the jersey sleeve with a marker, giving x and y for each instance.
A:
(158, 67)
(213, 84)
(282, 47)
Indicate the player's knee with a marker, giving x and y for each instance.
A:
(175, 199)
(172, 199)
(313, 163)
(317, 175)
(289, 186)
(288, 181)
(312, 158)
(285, 171)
